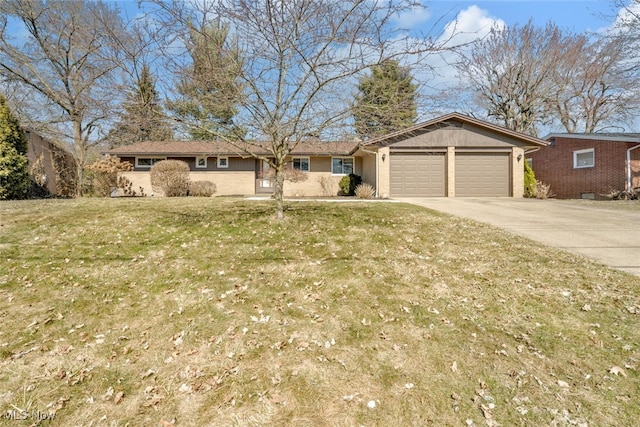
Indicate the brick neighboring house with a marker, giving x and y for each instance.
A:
(588, 166)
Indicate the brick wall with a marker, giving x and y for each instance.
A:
(553, 165)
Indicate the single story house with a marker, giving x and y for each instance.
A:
(588, 166)
(235, 172)
(451, 156)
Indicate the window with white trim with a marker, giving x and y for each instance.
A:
(147, 162)
(341, 165)
(201, 162)
(584, 159)
(301, 163)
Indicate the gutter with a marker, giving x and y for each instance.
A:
(629, 177)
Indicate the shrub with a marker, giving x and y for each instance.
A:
(543, 191)
(105, 175)
(202, 188)
(348, 184)
(365, 191)
(170, 177)
(624, 194)
(530, 183)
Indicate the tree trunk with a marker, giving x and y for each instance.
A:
(278, 192)
(81, 154)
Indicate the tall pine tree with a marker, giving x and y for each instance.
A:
(14, 169)
(386, 101)
(209, 90)
(143, 118)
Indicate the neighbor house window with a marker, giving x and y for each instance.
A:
(301, 163)
(342, 165)
(147, 162)
(201, 162)
(583, 159)
(223, 162)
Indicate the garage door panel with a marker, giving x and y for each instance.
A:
(417, 175)
(482, 175)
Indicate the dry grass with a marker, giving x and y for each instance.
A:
(207, 312)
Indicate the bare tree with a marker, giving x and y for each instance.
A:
(511, 72)
(64, 60)
(595, 87)
(300, 61)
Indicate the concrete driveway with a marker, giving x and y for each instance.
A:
(608, 234)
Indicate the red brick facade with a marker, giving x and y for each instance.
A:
(554, 165)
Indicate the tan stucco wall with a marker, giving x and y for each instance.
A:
(384, 173)
(451, 172)
(517, 172)
(313, 185)
(227, 183)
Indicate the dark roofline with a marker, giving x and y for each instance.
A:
(213, 148)
(614, 137)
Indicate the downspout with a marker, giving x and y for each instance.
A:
(629, 177)
(375, 153)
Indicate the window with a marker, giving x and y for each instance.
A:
(223, 162)
(530, 162)
(342, 165)
(301, 163)
(147, 162)
(583, 159)
(201, 162)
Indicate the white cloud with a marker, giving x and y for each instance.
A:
(412, 18)
(627, 17)
(470, 24)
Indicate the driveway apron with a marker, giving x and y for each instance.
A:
(608, 235)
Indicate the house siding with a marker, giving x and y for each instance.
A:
(228, 183)
(58, 165)
(320, 180)
(554, 166)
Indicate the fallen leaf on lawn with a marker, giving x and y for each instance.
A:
(277, 399)
(454, 366)
(617, 370)
(118, 397)
(563, 384)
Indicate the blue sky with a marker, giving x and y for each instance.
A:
(576, 15)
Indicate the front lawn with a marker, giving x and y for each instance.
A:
(193, 312)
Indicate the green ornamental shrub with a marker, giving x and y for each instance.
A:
(529, 181)
(170, 177)
(348, 184)
(14, 168)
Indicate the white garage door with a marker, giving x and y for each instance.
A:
(417, 175)
(483, 175)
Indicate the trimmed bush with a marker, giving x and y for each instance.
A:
(170, 177)
(530, 183)
(348, 184)
(202, 188)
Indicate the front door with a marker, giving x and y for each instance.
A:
(264, 185)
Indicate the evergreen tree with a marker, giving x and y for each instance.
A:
(209, 90)
(386, 101)
(14, 168)
(143, 118)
